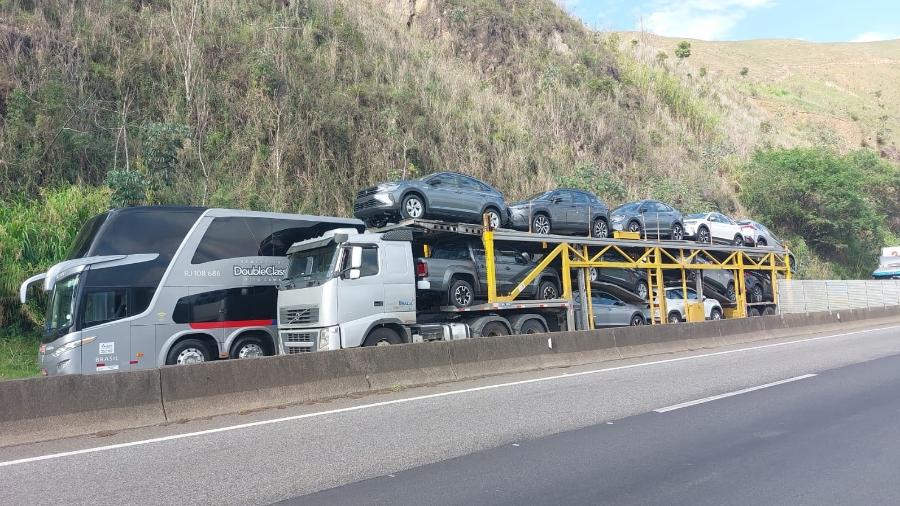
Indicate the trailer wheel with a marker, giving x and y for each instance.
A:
(769, 311)
(753, 312)
(532, 326)
(494, 329)
(461, 293)
(382, 336)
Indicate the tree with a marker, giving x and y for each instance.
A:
(683, 50)
(744, 71)
(661, 57)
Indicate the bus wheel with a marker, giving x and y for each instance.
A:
(189, 351)
(249, 347)
(382, 336)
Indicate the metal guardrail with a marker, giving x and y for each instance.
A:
(807, 296)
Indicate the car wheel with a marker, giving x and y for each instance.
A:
(715, 314)
(493, 217)
(769, 311)
(540, 224)
(593, 274)
(533, 327)
(637, 320)
(494, 329)
(641, 290)
(189, 351)
(412, 207)
(703, 236)
(376, 222)
(382, 336)
(461, 293)
(250, 347)
(753, 312)
(756, 294)
(761, 242)
(674, 317)
(677, 232)
(547, 290)
(731, 293)
(634, 226)
(600, 230)
(739, 240)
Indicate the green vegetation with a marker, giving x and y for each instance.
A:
(683, 50)
(843, 206)
(18, 354)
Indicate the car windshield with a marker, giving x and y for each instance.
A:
(695, 216)
(61, 310)
(625, 208)
(311, 265)
(538, 196)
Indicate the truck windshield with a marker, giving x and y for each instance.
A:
(61, 310)
(311, 265)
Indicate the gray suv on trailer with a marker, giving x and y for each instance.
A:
(456, 274)
(563, 211)
(444, 195)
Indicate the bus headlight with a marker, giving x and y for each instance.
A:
(71, 346)
(330, 335)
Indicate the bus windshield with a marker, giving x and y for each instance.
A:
(61, 310)
(312, 265)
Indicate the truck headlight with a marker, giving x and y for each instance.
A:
(330, 335)
(71, 346)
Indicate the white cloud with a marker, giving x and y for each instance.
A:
(875, 36)
(699, 19)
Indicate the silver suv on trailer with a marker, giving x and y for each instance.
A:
(445, 195)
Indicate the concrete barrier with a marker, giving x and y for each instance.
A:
(47, 408)
(40, 409)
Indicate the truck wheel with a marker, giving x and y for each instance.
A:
(494, 329)
(532, 326)
(189, 351)
(461, 293)
(250, 347)
(382, 336)
(547, 290)
(769, 311)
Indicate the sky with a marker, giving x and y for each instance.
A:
(812, 20)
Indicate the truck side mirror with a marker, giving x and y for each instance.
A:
(353, 274)
(356, 257)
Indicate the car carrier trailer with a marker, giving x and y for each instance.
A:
(347, 289)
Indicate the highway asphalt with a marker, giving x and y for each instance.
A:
(577, 435)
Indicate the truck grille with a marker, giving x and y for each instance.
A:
(299, 315)
(368, 191)
(294, 342)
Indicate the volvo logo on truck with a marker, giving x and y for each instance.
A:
(259, 270)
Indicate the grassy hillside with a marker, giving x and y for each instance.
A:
(294, 105)
(841, 94)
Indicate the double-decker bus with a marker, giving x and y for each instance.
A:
(149, 286)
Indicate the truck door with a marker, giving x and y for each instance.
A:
(361, 300)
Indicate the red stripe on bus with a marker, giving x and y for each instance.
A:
(231, 324)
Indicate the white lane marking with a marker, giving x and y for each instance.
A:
(423, 397)
(731, 394)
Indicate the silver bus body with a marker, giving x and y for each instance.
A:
(135, 288)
